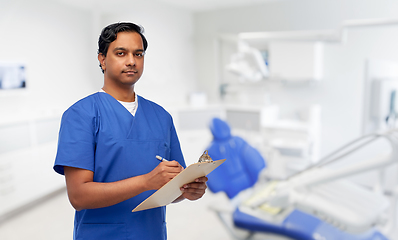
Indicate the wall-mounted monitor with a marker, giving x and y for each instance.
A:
(12, 76)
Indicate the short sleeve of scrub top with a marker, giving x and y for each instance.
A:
(98, 134)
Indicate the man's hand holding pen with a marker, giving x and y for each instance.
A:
(191, 191)
(163, 173)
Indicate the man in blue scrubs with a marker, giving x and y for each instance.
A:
(108, 144)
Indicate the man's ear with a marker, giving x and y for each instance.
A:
(101, 59)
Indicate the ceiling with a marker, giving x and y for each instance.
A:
(191, 5)
(203, 5)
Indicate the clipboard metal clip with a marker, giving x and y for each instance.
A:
(205, 157)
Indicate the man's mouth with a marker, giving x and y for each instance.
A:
(130, 71)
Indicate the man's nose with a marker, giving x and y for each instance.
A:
(130, 60)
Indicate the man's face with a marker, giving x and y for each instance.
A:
(124, 63)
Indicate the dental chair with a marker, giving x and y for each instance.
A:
(249, 207)
(239, 153)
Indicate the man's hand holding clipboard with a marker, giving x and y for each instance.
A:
(175, 187)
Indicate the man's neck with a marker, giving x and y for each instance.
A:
(124, 95)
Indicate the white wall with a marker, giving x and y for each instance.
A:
(341, 91)
(52, 40)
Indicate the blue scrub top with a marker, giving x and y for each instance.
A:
(98, 134)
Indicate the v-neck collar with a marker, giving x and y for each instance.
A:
(140, 127)
(137, 97)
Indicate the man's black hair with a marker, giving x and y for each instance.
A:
(109, 33)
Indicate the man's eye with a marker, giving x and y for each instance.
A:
(120, 53)
(139, 54)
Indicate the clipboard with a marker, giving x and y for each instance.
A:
(171, 190)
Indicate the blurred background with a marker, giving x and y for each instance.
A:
(296, 79)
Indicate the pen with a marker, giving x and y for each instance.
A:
(161, 159)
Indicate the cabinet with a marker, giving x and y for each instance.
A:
(27, 152)
(295, 61)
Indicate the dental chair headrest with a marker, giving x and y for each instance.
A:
(220, 129)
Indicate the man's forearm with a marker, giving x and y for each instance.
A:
(89, 194)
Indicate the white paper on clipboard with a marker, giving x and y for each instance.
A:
(171, 190)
